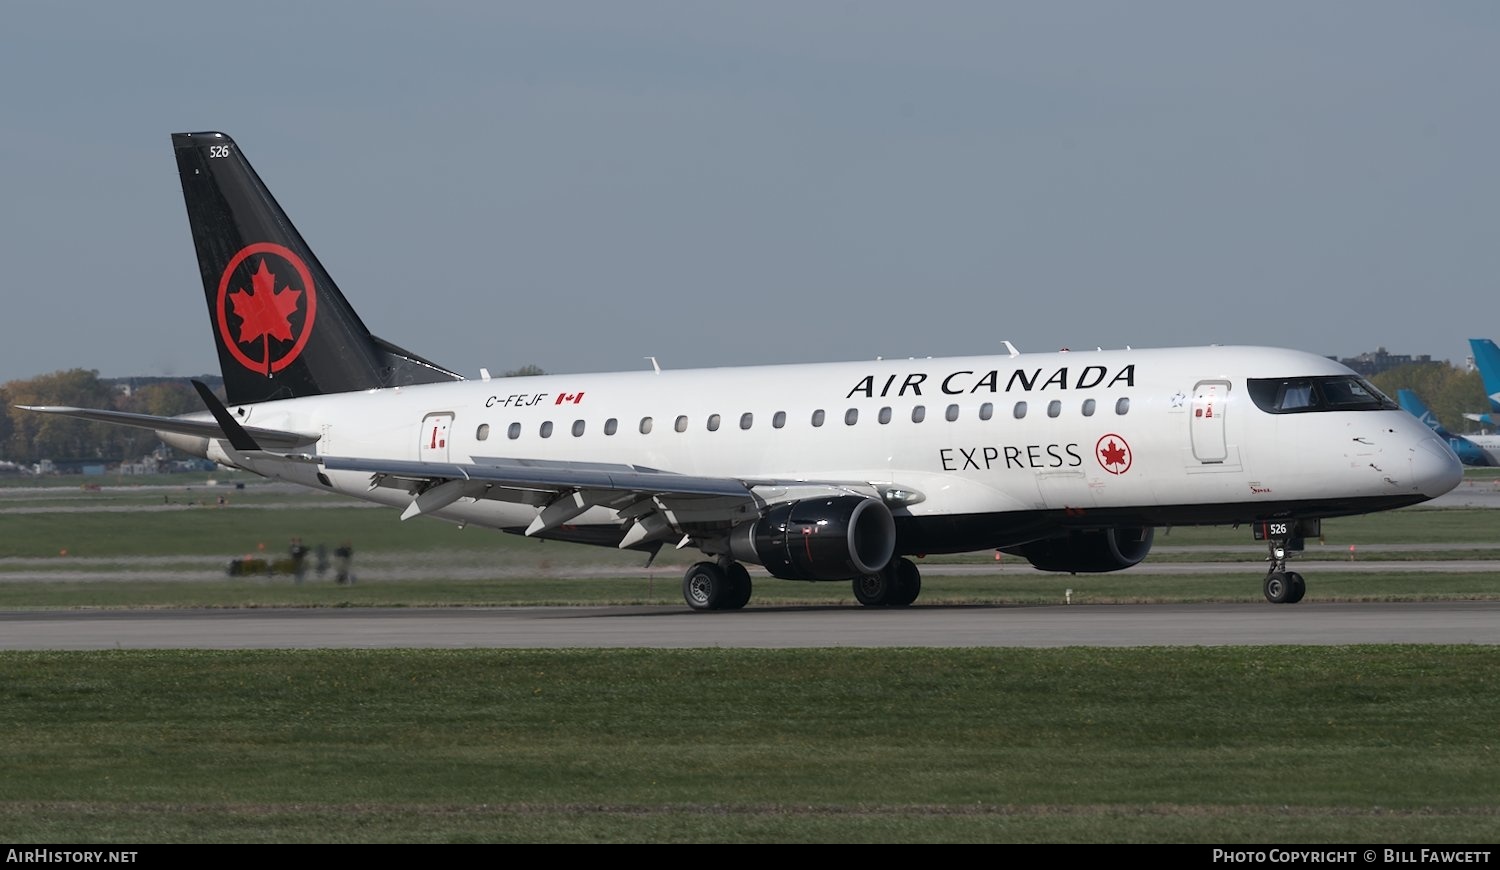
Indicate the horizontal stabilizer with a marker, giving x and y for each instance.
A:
(272, 439)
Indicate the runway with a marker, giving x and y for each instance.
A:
(201, 569)
(1447, 622)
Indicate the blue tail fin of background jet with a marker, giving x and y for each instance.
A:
(1467, 451)
(1487, 360)
(1413, 405)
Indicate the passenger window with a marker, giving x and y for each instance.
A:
(484, 432)
(681, 425)
(547, 429)
(851, 416)
(747, 419)
(577, 428)
(1020, 410)
(1088, 407)
(952, 413)
(918, 413)
(645, 425)
(1054, 408)
(1122, 406)
(817, 417)
(514, 431)
(713, 422)
(987, 410)
(779, 420)
(611, 426)
(885, 415)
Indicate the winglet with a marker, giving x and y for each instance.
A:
(239, 439)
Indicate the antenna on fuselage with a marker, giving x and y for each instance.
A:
(1011, 348)
(654, 364)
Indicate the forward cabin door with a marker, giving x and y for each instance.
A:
(1210, 401)
(432, 445)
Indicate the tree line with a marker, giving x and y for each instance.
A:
(26, 437)
(1448, 392)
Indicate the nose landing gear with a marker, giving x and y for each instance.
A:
(1284, 538)
(1284, 587)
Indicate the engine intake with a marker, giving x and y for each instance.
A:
(832, 538)
(1089, 552)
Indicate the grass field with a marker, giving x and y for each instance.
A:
(1284, 745)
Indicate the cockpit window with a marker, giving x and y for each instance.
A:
(1331, 393)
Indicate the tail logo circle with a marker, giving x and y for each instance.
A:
(265, 307)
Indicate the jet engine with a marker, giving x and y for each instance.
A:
(832, 538)
(1089, 552)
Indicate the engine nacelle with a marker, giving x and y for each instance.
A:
(832, 538)
(1089, 552)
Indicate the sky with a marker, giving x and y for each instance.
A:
(581, 185)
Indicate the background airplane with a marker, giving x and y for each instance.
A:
(1487, 360)
(1477, 450)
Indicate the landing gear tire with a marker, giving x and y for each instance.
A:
(739, 586)
(1298, 587)
(1278, 587)
(705, 587)
(874, 590)
(908, 583)
(896, 585)
(1283, 586)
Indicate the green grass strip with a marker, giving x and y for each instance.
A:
(1343, 744)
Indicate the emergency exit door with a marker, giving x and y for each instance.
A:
(432, 445)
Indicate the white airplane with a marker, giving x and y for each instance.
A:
(839, 471)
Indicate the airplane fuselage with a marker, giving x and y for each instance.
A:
(980, 451)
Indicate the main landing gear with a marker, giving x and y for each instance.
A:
(897, 585)
(1284, 538)
(726, 585)
(707, 586)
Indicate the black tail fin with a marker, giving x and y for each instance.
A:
(282, 327)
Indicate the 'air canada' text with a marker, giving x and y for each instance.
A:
(1024, 380)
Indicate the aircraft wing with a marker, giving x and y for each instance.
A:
(658, 503)
(546, 475)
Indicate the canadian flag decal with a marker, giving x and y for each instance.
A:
(575, 398)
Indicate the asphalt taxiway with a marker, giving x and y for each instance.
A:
(1114, 625)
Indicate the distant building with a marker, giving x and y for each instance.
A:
(1379, 361)
(147, 465)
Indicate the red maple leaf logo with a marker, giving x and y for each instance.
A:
(1113, 454)
(265, 310)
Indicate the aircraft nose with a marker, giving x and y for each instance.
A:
(1435, 469)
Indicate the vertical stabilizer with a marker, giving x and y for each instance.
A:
(1487, 360)
(281, 326)
(1413, 405)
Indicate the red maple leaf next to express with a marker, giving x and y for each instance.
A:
(264, 311)
(1113, 454)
